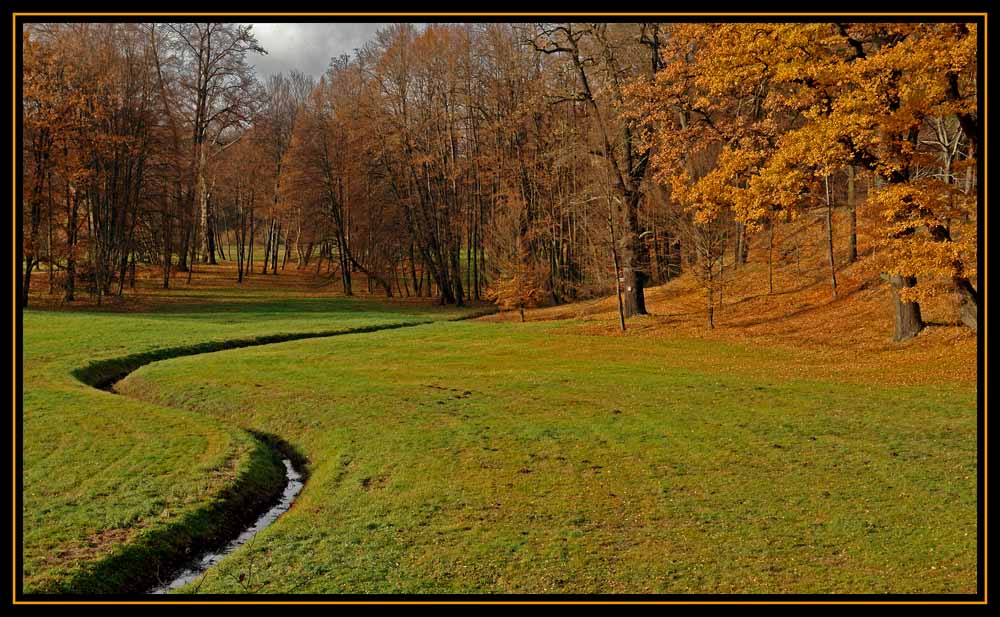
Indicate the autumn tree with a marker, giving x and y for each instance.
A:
(604, 57)
(89, 113)
(48, 113)
(518, 288)
(787, 107)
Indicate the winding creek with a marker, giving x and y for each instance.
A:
(189, 573)
(105, 375)
(199, 566)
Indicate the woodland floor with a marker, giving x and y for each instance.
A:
(792, 449)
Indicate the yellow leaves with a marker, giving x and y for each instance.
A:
(914, 240)
(520, 288)
(822, 107)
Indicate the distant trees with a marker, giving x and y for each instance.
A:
(453, 160)
(106, 110)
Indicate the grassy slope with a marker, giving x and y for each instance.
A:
(539, 458)
(844, 336)
(101, 470)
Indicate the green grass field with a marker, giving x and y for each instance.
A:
(491, 457)
(101, 471)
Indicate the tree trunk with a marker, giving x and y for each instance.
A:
(417, 283)
(205, 226)
(209, 256)
(288, 250)
(193, 256)
(218, 240)
(740, 249)
(968, 303)
(618, 285)
(27, 279)
(167, 246)
(770, 257)
(829, 239)
(711, 306)
(852, 253)
(968, 298)
(48, 251)
(908, 320)
(182, 255)
(276, 241)
(632, 258)
(248, 270)
(240, 252)
(267, 247)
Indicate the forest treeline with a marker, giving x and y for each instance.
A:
(532, 162)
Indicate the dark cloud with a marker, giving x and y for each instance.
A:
(307, 47)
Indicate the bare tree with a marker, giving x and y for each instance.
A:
(222, 93)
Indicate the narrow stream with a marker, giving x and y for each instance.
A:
(199, 566)
(98, 376)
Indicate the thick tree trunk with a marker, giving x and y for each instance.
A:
(343, 254)
(288, 250)
(634, 296)
(456, 270)
(908, 320)
(417, 283)
(50, 257)
(968, 303)
(218, 240)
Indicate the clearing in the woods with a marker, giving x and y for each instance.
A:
(487, 455)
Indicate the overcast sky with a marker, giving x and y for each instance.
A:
(307, 47)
